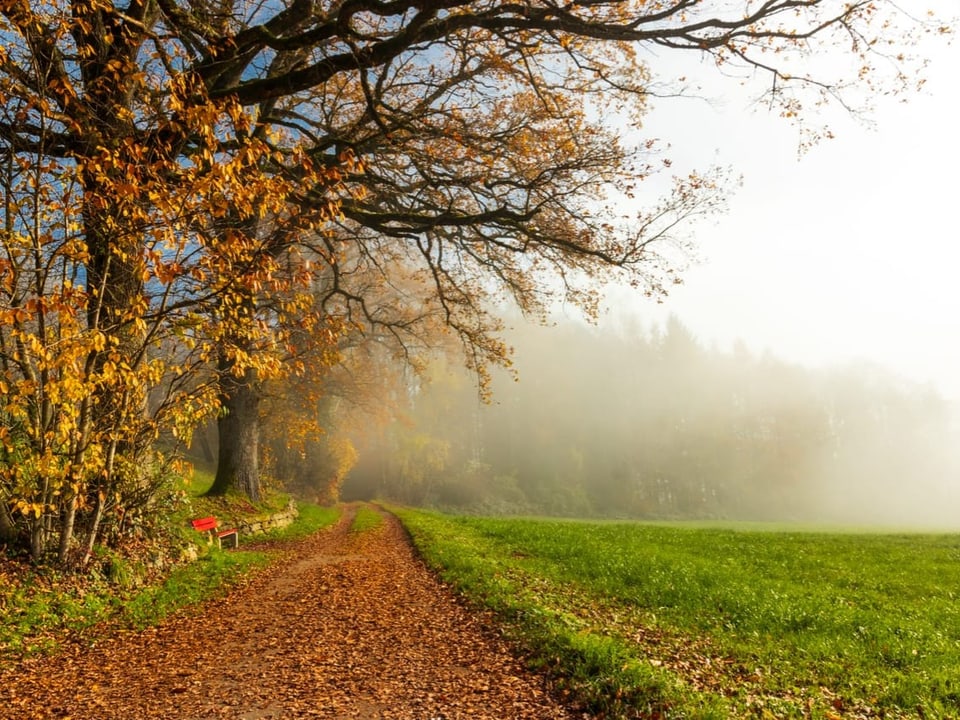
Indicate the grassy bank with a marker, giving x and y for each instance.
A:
(702, 622)
(40, 608)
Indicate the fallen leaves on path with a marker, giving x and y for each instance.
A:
(350, 626)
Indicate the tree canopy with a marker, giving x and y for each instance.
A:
(189, 185)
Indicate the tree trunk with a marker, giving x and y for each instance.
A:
(38, 539)
(8, 529)
(66, 529)
(91, 539)
(238, 463)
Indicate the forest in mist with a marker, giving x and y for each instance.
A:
(648, 422)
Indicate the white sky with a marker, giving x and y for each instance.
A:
(851, 252)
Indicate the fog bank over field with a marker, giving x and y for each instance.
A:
(648, 422)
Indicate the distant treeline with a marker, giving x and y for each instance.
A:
(649, 423)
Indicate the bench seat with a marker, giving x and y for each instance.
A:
(211, 525)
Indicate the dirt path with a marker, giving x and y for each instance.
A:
(351, 626)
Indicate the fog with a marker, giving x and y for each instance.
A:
(843, 253)
(646, 421)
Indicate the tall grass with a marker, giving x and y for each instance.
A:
(724, 621)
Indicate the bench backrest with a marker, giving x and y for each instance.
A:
(206, 523)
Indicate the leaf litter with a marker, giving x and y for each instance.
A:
(347, 625)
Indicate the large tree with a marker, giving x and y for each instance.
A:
(484, 160)
(481, 126)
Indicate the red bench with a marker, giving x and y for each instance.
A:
(212, 526)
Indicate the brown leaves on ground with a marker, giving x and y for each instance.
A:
(351, 626)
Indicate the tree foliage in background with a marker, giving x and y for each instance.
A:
(651, 424)
(179, 176)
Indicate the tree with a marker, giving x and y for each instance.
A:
(111, 157)
(379, 362)
(481, 163)
(479, 127)
(267, 323)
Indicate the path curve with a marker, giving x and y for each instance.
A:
(351, 625)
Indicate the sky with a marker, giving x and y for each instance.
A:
(848, 253)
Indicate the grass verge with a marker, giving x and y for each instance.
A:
(310, 518)
(43, 608)
(366, 518)
(40, 608)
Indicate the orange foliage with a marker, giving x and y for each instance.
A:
(235, 183)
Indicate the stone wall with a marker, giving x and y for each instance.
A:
(263, 523)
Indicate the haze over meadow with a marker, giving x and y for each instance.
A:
(649, 422)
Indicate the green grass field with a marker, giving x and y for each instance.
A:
(649, 620)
